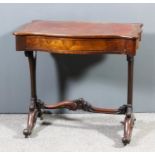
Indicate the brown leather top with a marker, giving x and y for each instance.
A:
(73, 29)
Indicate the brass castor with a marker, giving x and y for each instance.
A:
(125, 141)
(27, 133)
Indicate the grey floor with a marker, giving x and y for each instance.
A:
(76, 132)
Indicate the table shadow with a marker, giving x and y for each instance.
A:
(110, 131)
(73, 67)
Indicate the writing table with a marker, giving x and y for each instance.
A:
(68, 37)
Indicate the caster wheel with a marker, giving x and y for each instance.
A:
(26, 132)
(125, 141)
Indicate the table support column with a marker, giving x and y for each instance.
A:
(34, 108)
(129, 118)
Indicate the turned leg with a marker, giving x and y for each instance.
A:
(34, 108)
(129, 118)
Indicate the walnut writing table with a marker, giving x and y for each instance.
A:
(79, 38)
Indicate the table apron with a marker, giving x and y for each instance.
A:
(77, 45)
